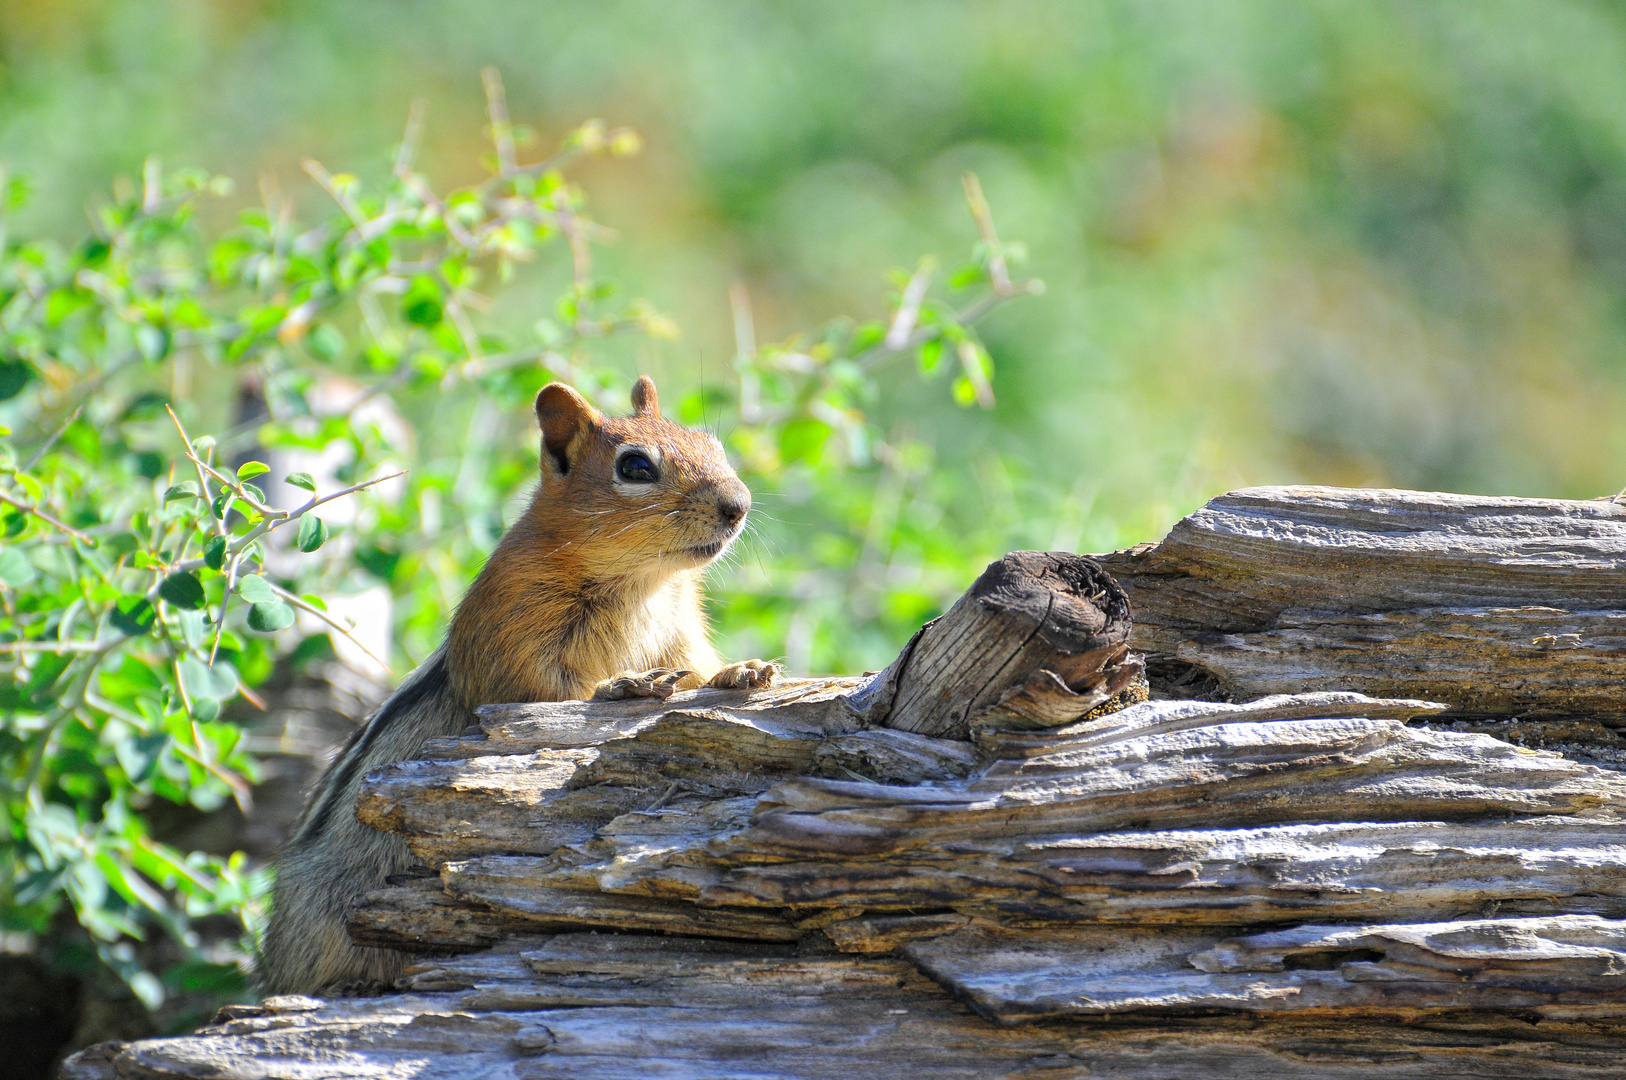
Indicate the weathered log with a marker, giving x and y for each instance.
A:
(1039, 639)
(790, 883)
(1492, 605)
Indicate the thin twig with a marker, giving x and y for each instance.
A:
(502, 132)
(50, 646)
(548, 164)
(409, 138)
(152, 185)
(234, 486)
(45, 447)
(304, 605)
(316, 172)
(998, 273)
(745, 352)
(427, 196)
(30, 508)
(903, 323)
(971, 364)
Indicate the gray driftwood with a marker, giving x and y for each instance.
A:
(1312, 884)
(1491, 605)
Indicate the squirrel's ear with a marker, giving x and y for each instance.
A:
(566, 419)
(644, 399)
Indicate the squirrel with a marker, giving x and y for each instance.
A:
(595, 592)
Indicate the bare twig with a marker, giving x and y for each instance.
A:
(903, 323)
(231, 485)
(409, 138)
(304, 605)
(502, 132)
(351, 490)
(998, 273)
(971, 364)
(465, 329)
(152, 185)
(427, 196)
(51, 646)
(745, 353)
(30, 508)
(45, 447)
(346, 203)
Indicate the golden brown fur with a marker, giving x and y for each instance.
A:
(598, 577)
(595, 591)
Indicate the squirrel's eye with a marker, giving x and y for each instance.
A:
(636, 469)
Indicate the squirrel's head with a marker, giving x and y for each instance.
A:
(637, 494)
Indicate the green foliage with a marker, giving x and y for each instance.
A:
(147, 579)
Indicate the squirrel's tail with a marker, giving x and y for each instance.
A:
(332, 860)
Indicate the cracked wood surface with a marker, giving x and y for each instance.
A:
(1490, 605)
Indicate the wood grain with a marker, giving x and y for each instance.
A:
(1493, 605)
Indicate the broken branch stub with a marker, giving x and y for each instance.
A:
(1039, 640)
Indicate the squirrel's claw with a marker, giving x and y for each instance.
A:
(746, 675)
(656, 683)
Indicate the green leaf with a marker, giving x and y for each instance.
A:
(802, 439)
(186, 489)
(14, 376)
(931, 356)
(214, 553)
(300, 480)
(255, 589)
(15, 569)
(313, 533)
(269, 618)
(183, 589)
(250, 469)
(866, 336)
(423, 304)
(139, 755)
(203, 681)
(132, 615)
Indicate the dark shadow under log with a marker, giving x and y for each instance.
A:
(1040, 639)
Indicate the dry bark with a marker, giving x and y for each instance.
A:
(1038, 639)
(786, 883)
(1491, 605)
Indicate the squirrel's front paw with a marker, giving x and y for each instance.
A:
(655, 683)
(746, 675)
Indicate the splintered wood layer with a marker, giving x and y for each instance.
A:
(1494, 605)
(1571, 966)
(1323, 807)
(611, 1006)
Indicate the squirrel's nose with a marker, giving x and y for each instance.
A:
(733, 502)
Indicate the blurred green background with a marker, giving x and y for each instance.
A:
(1375, 244)
(1372, 244)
